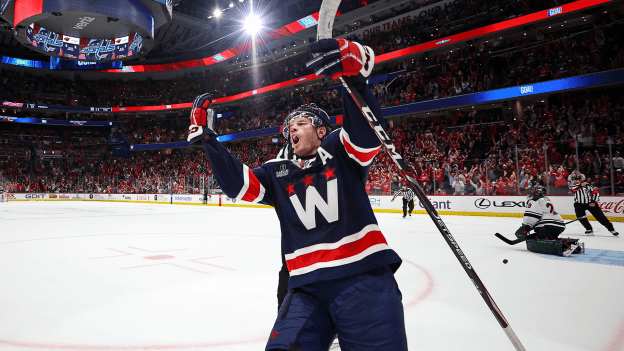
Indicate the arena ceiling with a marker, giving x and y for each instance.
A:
(195, 33)
(191, 34)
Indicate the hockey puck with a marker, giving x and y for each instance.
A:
(505, 261)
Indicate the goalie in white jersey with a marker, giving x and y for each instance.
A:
(541, 216)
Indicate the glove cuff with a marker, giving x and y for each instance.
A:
(368, 59)
(197, 133)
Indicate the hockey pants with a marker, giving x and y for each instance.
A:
(365, 310)
(406, 203)
(580, 210)
(549, 232)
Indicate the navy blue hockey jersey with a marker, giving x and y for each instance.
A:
(328, 227)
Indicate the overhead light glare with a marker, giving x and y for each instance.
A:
(253, 23)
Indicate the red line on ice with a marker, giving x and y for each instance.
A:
(169, 264)
(136, 248)
(428, 290)
(617, 342)
(124, 254)
(208, 264)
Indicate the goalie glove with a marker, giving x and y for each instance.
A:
(341, 58)
(523, 231)
(202, 118)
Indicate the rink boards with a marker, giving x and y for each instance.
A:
(493, 206)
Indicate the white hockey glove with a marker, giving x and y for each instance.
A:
(202, 118)
(341, 58)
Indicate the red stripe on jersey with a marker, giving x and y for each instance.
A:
(344, 251)
(254, 188)
(363, 157)
(594, 192)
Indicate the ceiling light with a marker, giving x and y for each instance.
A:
(253, 23)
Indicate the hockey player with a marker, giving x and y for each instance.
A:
(341, 268)
(586, 198)
(408, 199)
(540, 215)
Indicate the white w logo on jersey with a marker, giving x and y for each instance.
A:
(328, 209)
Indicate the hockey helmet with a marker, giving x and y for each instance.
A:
(538, 191)
(318, 116)
(576, 177)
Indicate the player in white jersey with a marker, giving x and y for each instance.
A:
(540, 215)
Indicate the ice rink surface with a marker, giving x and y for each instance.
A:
(126, 276)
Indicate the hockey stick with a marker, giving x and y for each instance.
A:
(517, 241)
(326, 20)
(509, 242)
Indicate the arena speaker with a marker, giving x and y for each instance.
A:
(87, 30)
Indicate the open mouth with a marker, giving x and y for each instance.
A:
(295, 140)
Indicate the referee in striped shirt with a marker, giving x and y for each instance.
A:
(586, 198)
(408, 199)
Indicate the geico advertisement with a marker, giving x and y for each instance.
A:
(36, 196)
(30, 196)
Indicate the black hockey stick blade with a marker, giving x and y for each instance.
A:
(510, 242)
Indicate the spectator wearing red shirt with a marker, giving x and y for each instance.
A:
(501, 186)
(489, 187)
(425, 182)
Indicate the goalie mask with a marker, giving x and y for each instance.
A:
(318, 117)
(538, 191)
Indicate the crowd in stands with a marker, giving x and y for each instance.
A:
(479, 158)
(466, 152)
(58, 139)
(503, 63)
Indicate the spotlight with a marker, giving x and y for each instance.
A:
(217, 13)
(231, 4)
(253, 23)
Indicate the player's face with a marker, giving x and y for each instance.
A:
(305, 138)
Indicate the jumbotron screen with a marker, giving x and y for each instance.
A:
(81, 48)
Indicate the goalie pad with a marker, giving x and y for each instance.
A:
(560, 247)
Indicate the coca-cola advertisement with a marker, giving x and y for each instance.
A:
(612, 205)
